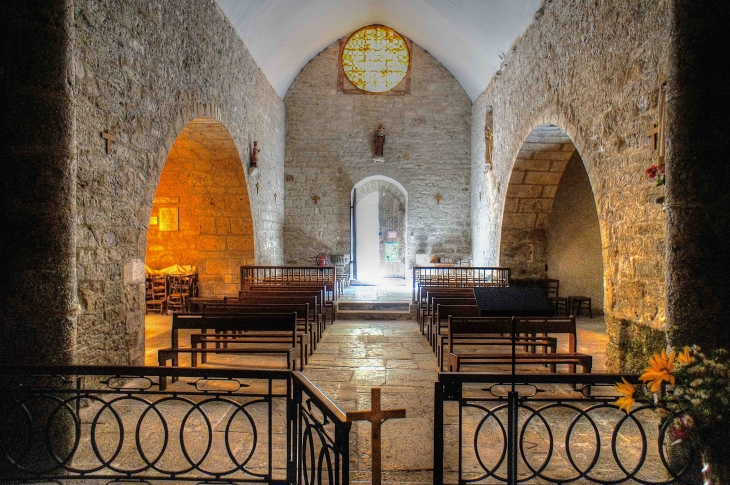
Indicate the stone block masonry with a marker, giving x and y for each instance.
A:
(329, 149)
(594, 71)
(144, 71)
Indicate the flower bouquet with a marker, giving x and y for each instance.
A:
(657, 172)
(691, 391)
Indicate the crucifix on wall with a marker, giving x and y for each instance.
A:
(109, 139)
(656, 134)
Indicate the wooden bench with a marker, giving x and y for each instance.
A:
(306, 329)
(436, 321)
(428, 293)
(313, 299)
(286, 292)
(258, 326)
(443, 312)
(467, 327)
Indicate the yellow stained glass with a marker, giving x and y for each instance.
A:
(375, 59)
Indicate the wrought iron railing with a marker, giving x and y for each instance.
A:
(502, 428)
(322, 445)
(113, 424)
(286, 275)
(464, 276)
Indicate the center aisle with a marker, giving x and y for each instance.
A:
(354, 356)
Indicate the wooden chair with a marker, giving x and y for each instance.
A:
(578, 303)
(552, 290)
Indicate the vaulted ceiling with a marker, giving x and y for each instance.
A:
(466, 36)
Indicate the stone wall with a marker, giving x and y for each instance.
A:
(594, 70)
(204, 181)
(329, 149)
(573, 238)
(143, 71)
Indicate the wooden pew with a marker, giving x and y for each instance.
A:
(436, 322)
(313, 299)
(428, 293)
(306, 328)
(467, 327)
(320, 291)
(267, 334)
(444, 311)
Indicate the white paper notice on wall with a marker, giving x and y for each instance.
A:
(391, 235)
(134, 272)
(421, 258)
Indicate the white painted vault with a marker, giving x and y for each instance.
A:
(467, 36)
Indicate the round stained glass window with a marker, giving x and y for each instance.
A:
(375, 59)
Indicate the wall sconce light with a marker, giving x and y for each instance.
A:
(438, 198)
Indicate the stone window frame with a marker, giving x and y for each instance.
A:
(346, 87)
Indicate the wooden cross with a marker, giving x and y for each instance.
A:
(438, 198)
(316, 198)
(657, 132)
(376, 416)
(109, 139)
(654, 135)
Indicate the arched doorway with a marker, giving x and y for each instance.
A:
(379, 229)
(550, 226)
(201, 214)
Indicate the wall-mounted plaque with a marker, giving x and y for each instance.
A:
(391, 252)
(168, 219)
(153, 220)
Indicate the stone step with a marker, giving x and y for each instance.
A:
(397, 306)
(374, 315)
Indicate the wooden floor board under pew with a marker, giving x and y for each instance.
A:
(313, 299)
(464, 327)
(257, 324)
(426, 293)
(444, 311)
(306, 327)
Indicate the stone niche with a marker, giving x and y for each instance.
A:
(204, 185)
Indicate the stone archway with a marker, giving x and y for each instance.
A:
(392, 201)
(536, 190)
(204, 182)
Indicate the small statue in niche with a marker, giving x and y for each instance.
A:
(255, 154)
(379, 141)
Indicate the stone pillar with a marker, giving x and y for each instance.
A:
(698, 177)
(38, 303)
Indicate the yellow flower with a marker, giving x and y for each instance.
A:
(628, 391)
(659, 370)
(684, 358)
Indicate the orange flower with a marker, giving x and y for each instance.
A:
(628, 392)
(684, 358)
(659, 370)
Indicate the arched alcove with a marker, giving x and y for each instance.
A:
(201, 213)
(384, 200)
(550, 225)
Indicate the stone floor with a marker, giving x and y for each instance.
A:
(354, 356)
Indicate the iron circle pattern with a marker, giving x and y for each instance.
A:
(254, 431)
(209, 428)
(551, 441)
(489, 413)
(313, 474)
(46, 432)
(94, 442)
(596, 455)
